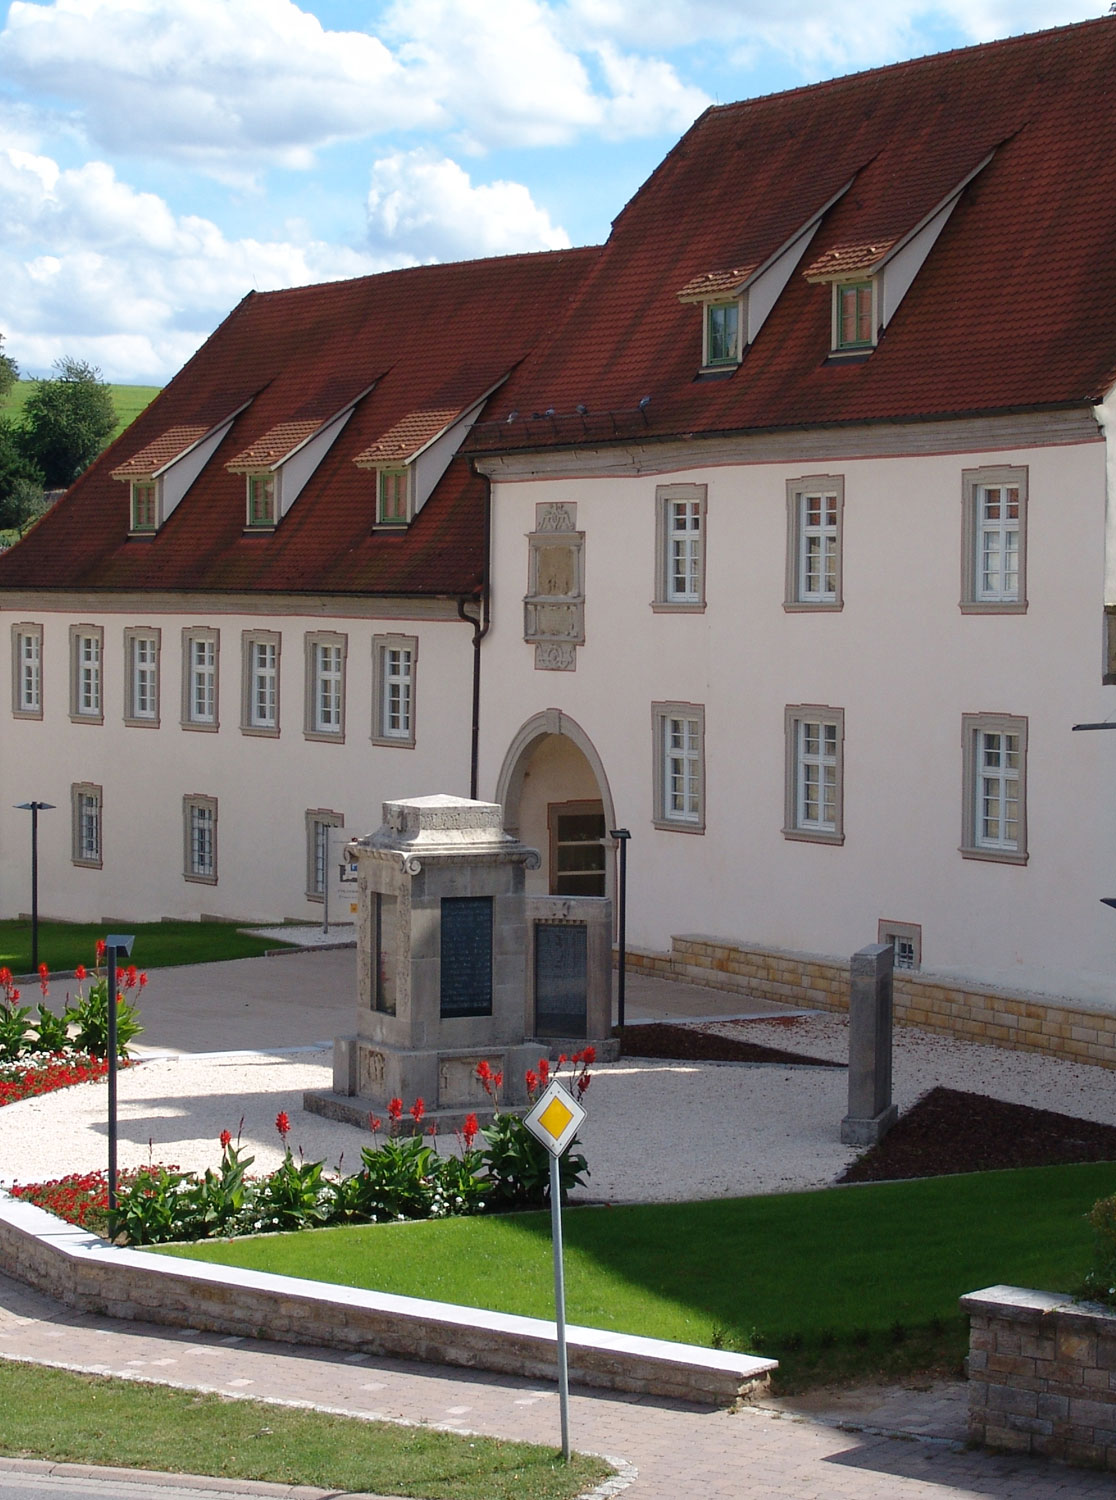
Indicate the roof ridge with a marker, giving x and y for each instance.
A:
(906, 63)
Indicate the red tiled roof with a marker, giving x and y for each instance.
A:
(272, 446)
(846, 260)
(286, 358)
(160, 451)
(404, 440)
(1014, 307)
(710, 283)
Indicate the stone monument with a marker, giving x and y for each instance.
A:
(871, 1111)
(446, 957)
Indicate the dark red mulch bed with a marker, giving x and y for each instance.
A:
(693, 1044)
(950, 1131)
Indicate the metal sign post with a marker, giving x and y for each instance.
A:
(555, 1121)
(115, 943)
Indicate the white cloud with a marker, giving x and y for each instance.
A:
(210, 80)
(425, 206)
(95, 269)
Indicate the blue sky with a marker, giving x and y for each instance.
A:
(161, 158)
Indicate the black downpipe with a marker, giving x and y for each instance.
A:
(480, 623)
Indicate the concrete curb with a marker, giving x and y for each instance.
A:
(84, 1272)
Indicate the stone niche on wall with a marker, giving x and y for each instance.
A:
(554, 606)
(445, 950)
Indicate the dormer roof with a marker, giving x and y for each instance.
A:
(273, 447)
(712, 284)
(844, 261)
(402, 442)
(160, 452)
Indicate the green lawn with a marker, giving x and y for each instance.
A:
(64, 945)
(844, 1281)
(129, 401)
(69, 1418)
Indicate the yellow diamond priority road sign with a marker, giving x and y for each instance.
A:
(555, 1119)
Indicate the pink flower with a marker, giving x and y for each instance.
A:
(282, 1123)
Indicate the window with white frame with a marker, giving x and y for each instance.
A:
(86, 651)
(85, 803)
(815, 514)
(393, 689)
(260, 703)
(145, 505)
(995, 787)
(141, 675)
(905, 938)
(200, 680)
(199, 829)
(27, 670)
(680, 532)
(814, 800)
(325, 686)
(994, 555)
(722, 333)
(854, 315)
(320, 822)
(679, 766)
(393, 497)
(262, 499)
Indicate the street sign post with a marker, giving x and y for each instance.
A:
(555, 1120)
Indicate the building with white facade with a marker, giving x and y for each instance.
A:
(787, 512)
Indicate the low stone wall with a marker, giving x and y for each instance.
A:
(1042, 1375)
(979, 1014)
(86, 1273)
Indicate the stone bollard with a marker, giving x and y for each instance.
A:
(871, 1112)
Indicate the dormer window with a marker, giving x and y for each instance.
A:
(262, 496)
(393, 498)
(722, 333)
(145, 505)
(854, 315)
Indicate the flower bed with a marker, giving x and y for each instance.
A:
(41, 1050)
(401, 1177)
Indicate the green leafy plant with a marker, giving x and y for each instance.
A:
(88, 1014)
(515, 1164)
(1100, 1280)
(154, 1207)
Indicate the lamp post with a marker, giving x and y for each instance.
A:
(114, 943)
(35, 808)
(622, 835)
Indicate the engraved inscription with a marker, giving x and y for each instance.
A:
(466, 956)
(561, 979)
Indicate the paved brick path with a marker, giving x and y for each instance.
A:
(789, 1449)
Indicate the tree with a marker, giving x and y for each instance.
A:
(21, 483)
(9, 370)
(66, 421)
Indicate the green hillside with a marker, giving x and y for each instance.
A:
(129, 401)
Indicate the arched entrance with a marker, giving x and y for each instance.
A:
(556, 797)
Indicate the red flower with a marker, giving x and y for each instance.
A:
(282, 1123)
(226, 1139)
(6, 977)
(544, 1071)
(15, 996)
(142, 980)
(100, 948)
(588, 1056)
(81, 972)
(532, 1081)
(374, 1123)
(484, 1071)
(583, 1083)
(469, 1131)
(497, 1082)
(395, 1108)
(418, 1109)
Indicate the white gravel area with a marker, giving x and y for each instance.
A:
(656, 1131)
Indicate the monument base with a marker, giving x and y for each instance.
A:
(869, 1132)
(355, 1110)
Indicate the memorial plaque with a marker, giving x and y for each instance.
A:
(561, 979)
(385, 941)
(466, 955)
